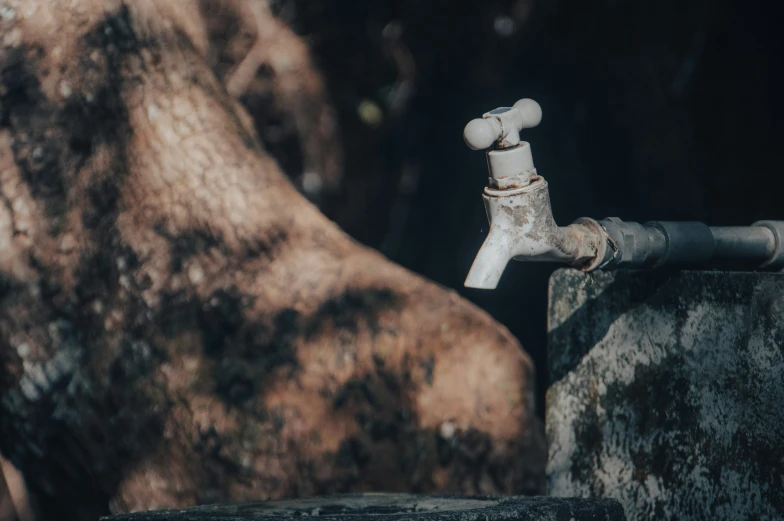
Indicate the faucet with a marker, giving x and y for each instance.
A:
(522, 226)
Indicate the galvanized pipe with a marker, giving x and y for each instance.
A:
(661, 243)
(743, 243)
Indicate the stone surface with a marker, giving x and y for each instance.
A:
(668, 392)
(399, 507)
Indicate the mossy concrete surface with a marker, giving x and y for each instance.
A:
(398, 507)
(668, 392)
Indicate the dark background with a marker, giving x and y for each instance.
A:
(667, 110)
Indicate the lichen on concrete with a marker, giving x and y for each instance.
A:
(668, 392)
(397, 507)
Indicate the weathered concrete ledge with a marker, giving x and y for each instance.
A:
(398, 507)
(668, 392)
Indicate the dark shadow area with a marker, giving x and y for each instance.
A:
(663, 110)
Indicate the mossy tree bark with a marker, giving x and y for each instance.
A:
(178, 325)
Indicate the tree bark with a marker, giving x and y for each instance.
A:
(178, 325)
(14, 503)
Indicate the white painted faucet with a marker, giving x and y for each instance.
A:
(522, 226)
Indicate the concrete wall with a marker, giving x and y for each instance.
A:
(668, 392)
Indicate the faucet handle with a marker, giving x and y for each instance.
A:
(502, 125)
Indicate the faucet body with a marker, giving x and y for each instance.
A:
(522, 226)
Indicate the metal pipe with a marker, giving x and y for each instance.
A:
(662, 243)
(747, 243)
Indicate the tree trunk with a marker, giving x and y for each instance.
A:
(178, 325)
(14, 503)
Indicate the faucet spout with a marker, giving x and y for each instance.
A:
(490, 262)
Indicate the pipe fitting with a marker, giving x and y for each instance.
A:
(776, 258)
(657, 243)
(631, 242)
